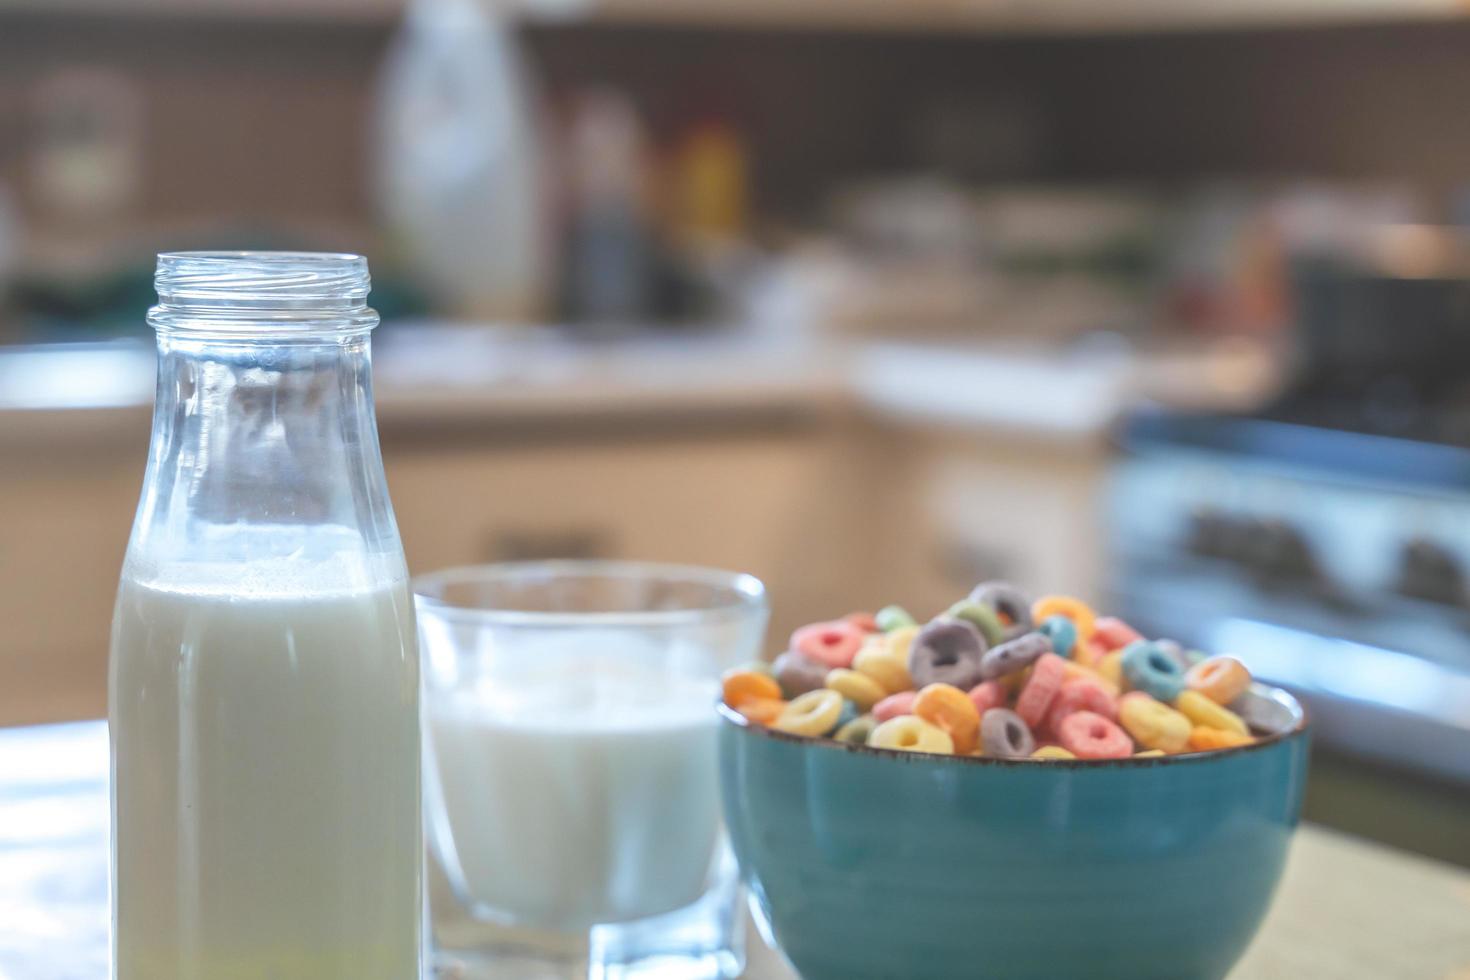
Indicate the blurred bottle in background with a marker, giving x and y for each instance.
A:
(459, 161)
(9, 258)
(709, 186)
(609, 254)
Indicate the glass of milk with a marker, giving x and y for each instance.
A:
(570, 767)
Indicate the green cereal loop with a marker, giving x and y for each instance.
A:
(981, 617)
(891, 618)
(857, 730)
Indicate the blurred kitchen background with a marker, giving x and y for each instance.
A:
(1166, 304)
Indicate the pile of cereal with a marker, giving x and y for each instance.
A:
(998, 675)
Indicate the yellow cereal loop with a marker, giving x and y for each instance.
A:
(858, 688)
(1207, 714)
(886, 668)
(814, 713)
(1150, 754)
(1054, 752)
(898, 642)
(909, 733)
(1152, 724)
(1110, 668)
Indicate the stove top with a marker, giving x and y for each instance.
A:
(1283, 438)
(1338, 561)
(1396, 406)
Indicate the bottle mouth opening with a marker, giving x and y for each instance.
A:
(317, 292)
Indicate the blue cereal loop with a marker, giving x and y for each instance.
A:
(1063, 635)
(1149, 668)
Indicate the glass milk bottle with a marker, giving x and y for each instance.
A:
(264, 673)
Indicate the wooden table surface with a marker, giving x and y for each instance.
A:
(1346, 910)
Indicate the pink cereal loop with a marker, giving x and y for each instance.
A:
(1080, 694)
(894, 705)
(1036, 696)
(1111, 633)
(987, 695)
(1089, 735)
(833, 644)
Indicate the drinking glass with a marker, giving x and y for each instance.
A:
(572, 800)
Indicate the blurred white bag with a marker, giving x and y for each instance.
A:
(459, 178)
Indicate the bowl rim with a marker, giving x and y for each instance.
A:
(1279, 695)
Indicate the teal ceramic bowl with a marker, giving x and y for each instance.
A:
(871, 863)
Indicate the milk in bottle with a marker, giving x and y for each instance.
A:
(264, 673)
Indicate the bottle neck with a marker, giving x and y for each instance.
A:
(262, 447)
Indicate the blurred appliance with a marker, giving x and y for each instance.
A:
(1326, 538)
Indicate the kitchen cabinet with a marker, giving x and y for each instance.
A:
(997, 16)
(65, 526)
(763, 502)
(970, 506)
(975, 16)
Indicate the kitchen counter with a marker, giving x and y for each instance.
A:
(59, 396)
(1346, 910)
(432, 376)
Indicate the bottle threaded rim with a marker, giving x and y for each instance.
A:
(228, 292)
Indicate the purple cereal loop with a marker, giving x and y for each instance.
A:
(1014, 655)
(798, 675)
(947, 651)
(1008, 600)
(1003, 735)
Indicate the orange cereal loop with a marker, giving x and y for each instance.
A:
(762, 711)
(747, 685)
(1205, 739)
(1079, 612)
(949, 709)
(1221, 679)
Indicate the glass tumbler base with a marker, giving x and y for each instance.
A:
(703, 941)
